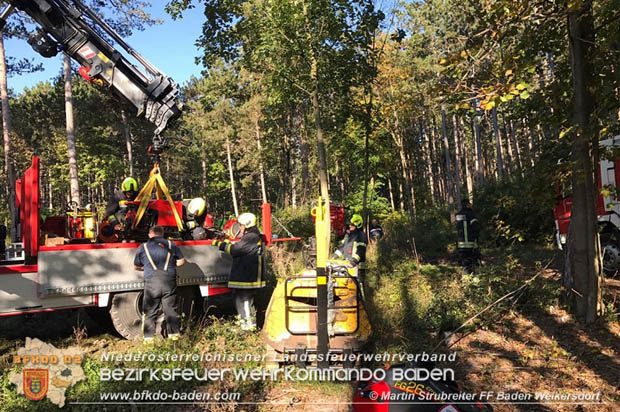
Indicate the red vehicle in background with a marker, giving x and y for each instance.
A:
(608, 208)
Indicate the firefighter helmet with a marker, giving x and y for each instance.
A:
(356, 220)
(197, 206)
(247, 219)
(129, 185)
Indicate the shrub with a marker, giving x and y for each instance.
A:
(515, 210)
(429, 235)
(297, 220)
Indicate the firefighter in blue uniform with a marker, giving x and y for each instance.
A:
(159, 258)
(248, 268)
(468, 230)
(353, 246)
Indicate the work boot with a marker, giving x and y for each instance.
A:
(248, 325)
(174, 336)
(148, 341)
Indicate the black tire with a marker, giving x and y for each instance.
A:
(126, 314)
(126, 311)
(611, 257)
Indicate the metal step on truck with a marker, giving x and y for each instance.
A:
(37, 278)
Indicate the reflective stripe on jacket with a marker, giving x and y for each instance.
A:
(353, 247)
(248, 265)
(468, 229)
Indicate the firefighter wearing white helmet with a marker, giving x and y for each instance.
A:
(248, 268)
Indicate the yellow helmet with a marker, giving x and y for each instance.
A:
(247, 219)
(356, 220)
(197, 206)
(129, 185)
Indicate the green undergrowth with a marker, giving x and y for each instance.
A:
(412, 304)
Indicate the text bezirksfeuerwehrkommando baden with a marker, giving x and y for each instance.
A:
(288, 373)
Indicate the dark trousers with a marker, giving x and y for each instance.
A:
(244, 303)
(159, 289)
(469, 258)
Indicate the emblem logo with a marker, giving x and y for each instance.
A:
(36, 383)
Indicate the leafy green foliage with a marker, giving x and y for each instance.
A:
(516, 210)
(429, 235)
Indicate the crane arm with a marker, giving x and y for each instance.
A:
(70, 26)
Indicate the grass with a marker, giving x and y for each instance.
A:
(410, 304)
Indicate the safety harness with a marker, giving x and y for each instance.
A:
(148, 255)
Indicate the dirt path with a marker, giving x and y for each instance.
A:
(546, 352)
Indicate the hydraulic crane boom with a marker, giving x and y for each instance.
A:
(70, 26)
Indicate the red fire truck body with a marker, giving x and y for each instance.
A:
(41, 278)
(608, 209)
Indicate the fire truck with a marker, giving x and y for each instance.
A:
(608, 208)
(39, 276)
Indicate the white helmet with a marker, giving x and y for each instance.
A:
(247, 219)
(197, 206)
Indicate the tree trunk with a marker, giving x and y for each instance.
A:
(527, 130)
(49, 189)
(74, 184)
(260, 161)
(515, 142)
(583, 266)
(398, 139)
(509, 165)
(468, 175)
(391, 194)
(6, 134)
(438, 170)
(320, 140)
(448, 166)
(232, 178)
(498, 145)
(478, 149)
(305, 169)
(457, 160)
(428, 162)
(367, 131)
(128, 141)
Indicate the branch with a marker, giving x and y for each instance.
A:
(509, 294)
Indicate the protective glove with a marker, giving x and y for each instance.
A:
(353, 262)
(216, 243)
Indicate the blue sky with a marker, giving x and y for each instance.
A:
(169, 46)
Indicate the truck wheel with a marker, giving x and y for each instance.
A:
(126, 314)
(126, 311)
(611, 258)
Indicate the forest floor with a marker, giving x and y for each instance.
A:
(534, 346)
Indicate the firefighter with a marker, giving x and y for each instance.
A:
(159, 258)
(468, 230)
(353, 246)
(376, 231)
(194, 217)
(248, 268)
(117, 206)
